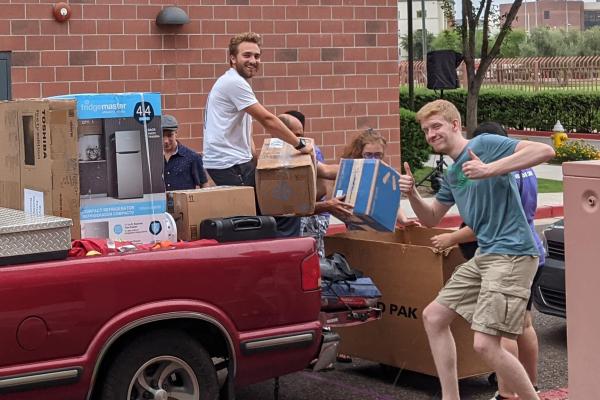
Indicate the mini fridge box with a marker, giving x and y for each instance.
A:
(409, 273)
(39, 158)
(120, 158)
(190, 207)
(285, 180)
(371, 186)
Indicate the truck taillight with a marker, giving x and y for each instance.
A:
(311, 273)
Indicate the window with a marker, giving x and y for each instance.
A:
(5, 93)
(420, 13)
(546, 14)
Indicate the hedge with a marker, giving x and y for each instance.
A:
(577, 111)
(414, 147)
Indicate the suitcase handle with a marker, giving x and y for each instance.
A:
(246, 223)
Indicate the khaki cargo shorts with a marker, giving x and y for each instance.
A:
(491, 292)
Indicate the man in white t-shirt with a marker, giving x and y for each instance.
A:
(229, 151)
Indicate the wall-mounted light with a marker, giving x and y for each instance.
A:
(172, 15)
(61, 11)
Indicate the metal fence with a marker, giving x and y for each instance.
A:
(530, 73)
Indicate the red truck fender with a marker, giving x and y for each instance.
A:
(134, 319)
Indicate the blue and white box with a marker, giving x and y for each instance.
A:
(120, 165)
(371, 187)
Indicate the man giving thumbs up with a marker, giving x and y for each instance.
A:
(490, 290)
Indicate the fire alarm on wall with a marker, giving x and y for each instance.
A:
(61, 11)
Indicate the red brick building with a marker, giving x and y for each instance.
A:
(335, 60)
(548, 13)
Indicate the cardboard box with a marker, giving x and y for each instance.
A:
(190, 207)
(285, 180)
(39, 157)
(371, 186)
(120, 162)
(409, 274)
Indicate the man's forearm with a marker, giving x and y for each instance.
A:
(527, 155)
(276, 128)
(424, 210)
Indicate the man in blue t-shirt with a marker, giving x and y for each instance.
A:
(490, 290)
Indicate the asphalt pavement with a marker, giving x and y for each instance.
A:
(366, 380)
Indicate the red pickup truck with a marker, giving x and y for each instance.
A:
(192, 323)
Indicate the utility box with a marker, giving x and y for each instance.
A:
(582, 220)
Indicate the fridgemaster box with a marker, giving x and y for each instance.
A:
(371, 186)
(285, 180)
(120, 158)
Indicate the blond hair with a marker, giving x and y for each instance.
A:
(443, 108)
(235, 41)
(368, 136)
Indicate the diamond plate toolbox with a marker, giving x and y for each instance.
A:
(26, 237)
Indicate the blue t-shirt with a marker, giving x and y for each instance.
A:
(527, 185)
(491, 206)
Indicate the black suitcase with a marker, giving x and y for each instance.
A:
(234, 229)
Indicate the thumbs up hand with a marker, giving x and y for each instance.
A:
(407, 181)
(475, 168)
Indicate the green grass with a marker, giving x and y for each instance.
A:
(549, 186)
(544, 185)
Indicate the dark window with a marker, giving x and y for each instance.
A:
(546, 14)
(5, 93)
(420, 13)
(591, 19)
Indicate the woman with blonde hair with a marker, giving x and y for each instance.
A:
(368, 144)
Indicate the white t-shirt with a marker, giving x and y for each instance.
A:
(227, 127)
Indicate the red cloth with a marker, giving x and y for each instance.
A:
(80, 247)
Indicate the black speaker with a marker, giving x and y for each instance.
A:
(441, 69)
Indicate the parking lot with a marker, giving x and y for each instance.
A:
(365, 380)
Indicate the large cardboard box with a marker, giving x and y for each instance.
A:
(39, 171)
(371, 186)
(409, 273)
(285, 180)
(190, 207)
(120, 165)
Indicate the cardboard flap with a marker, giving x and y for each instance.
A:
(277, 154)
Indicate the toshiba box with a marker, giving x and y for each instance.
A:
(39, 171)
(409, 273)
(371, 186)
(285, 180)
(190, 207)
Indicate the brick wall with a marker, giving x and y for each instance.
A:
(335, 60)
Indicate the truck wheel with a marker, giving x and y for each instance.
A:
(162, 365)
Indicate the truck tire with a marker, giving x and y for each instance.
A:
(161, 365)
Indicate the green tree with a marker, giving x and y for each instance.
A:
(547, 42)
(511, 47)
(590, 42)
(481, 16)
(417, 43)
(448, 39)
